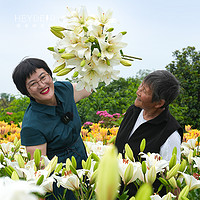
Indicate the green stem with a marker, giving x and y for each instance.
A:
(128, 59)
(132, 57)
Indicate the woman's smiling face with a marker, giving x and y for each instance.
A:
(40, 86)
(144, 97)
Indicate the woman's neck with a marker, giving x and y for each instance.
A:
(151, 114)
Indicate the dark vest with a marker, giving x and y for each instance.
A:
(155, 131)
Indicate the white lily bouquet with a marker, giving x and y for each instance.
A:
(88, 47)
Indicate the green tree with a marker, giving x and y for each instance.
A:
(15, 109)
(186, 68)
(114, 98)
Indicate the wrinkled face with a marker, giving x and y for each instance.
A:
(144, 97)
(40, 86)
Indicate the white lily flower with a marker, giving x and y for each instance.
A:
(136, 173)
(192, 182)
(6, 147)
(188, 146)
(78, 18)
(89, 39)
(116, 40)
(109, 75)
(69, 181)
(150, 175)
(154, 159)
(92, 77)
(74, 43)
(59, 61)
(168, 196)
(103, 18)
(47, 184)
(197, 161)
(20, 190)
(97, 32)
(83, 85)
(98, 148)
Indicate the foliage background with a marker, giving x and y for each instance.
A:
(120, 94)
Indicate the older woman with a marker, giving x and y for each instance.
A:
(51, 122)
(150, 118)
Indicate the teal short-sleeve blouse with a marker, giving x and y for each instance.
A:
(43, 124)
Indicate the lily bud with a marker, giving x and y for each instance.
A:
(184, 192)
(83, 164)
(172, 161)
(57, 34)
(68, 163)
(95, 166)
(173, 171)
(85, 28)
(174, 151)
(73, 170)
(95, 157)
(110, 29)
(58, 68)
(61, 50)
(14, 176)
(18, 144)
(29, 156)
(74, 162)
(40, 180)
(128, 174)
(144, 167)
(129, 152)
(15, 141)
(183, 165)
(125, 62)
(93, 177)
(108, 179)
(37, 157)
(52, 165)
(144, 192)
(58, 168)
(132, 198)
(51, 49)
(91, 38)
(75, 74)
(190, 157)
(172, 182)
(124, 32)
(163, 181)
(88, 163)
(20, 160)
(8, 171)
(151, 175)
(68, 56)
(194, 152)
(1, 158)
(64, 71)
(108, 62)
(57, 28)
(82, 64)
(142, 145)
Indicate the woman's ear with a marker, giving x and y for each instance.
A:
(160, 103)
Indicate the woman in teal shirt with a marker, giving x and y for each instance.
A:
(51, 122)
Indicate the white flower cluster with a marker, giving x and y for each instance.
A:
(88, 46)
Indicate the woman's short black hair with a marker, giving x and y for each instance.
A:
(164, 85)
(25, 69)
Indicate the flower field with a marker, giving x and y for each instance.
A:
(104, 165)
